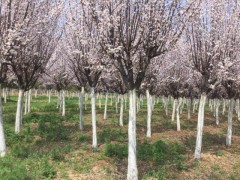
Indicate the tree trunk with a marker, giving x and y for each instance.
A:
(229, 131)
(149, 112)
(81, 108)
(111, 100)
(18, 122)
(224, 107)
(2, 136)
(178, 114)
(217, 111)
(165, 103)
(116, 105)
(26, 103)
(49, 96)
(125, 102)
(194, 105)
(85, 100)
(29, 101)
(5, 95)
(105, 108)
(132, 173)
(174, 109)
(63, 103)
(200, 126)
(121, 112)
(94, 121)
(99, 102)
(189, 108)
(35, 93)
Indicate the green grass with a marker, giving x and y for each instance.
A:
(51, 146)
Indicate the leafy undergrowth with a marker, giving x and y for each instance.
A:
(52, 147)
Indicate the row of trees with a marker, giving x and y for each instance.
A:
(177, 47)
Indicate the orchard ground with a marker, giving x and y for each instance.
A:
(52, 147)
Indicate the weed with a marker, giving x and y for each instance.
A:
(47, 170)
(83, 138)
(108, 135)
(21, 151)
(116, 150)
(57, 154)
(219, 153)
(13, 169)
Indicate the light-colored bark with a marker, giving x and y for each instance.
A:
(189, 108)
(165, 102)
(81, 108)
(174, 109)
(35, 94)
(217, 104)
(26, 103)
(18, 122)
(237, 109)
(200, 124)
(149, 113)
(178, 114)
(63, 103)
(230, 115)
(99, 102)
(116, 105)
(224, 107)
(132, 173)
(29, 101)
(49, 96)
(121, 111)
(94, 120)
(2, 135)
(125, 102)
(85, 101)
(5, 94)
(105, 108)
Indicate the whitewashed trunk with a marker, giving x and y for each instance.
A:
(182, 105)
(237, 106)
(105, 108)
(85, 101)
(214, 107)
(99, 102)
(5, 95)
(125, 102)
(26, 103)
(217, 111)
(178, 114)
(121, 111)
(138, 105)
(200, 124)
(132, 173)
(174, 109)
(165, 102)
(59, 99)
(230, 115)
(49, 96)
(116, 106)
(111, 103)
(194, 105)
(18, 122)
(63, 103)
(29, 101)
(81, 109)
(189, 108)
(149, 113)
(35, 93)
(94, 120)
(2, 136)
(224, 107)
